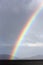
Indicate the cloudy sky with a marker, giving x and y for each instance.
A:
(13, 16)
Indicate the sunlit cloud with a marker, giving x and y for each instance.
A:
(32, 44)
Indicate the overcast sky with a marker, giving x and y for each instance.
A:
(13, 16)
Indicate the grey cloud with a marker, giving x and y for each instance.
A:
(17, 5)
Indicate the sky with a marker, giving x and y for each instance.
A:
(13, 16)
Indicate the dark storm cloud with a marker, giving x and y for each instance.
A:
(12, 18)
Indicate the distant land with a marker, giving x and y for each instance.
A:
(6, 57)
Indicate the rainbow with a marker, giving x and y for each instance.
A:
(24, 30)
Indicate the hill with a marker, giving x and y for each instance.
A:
(4, 56)
(37, 57)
